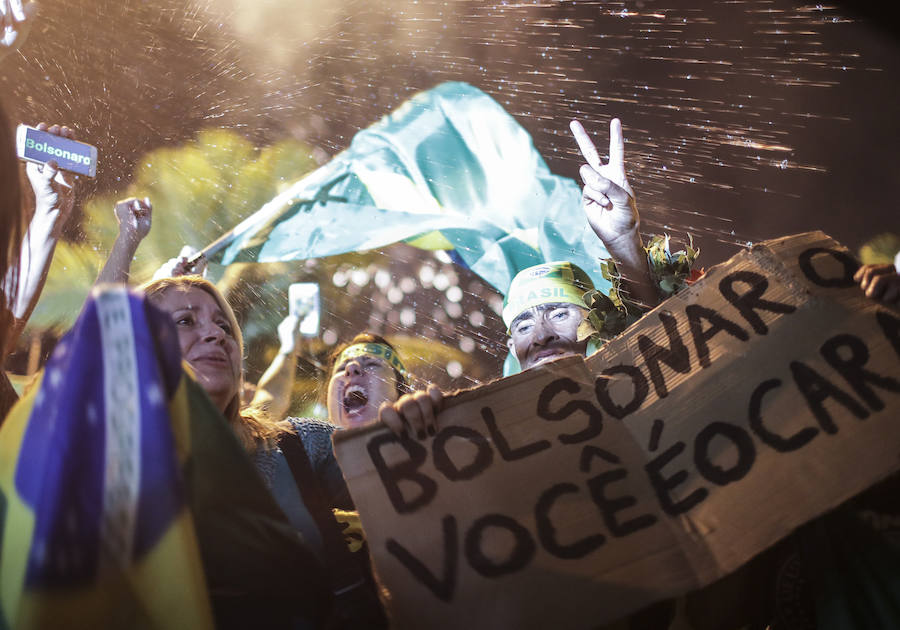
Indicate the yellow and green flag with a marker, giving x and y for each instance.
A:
(96, 530)
(449, 169)
(127, 502)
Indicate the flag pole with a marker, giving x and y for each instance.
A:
(213, 248)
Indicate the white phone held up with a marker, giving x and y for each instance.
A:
(303, 300)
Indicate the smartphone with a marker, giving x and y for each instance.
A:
(39, 146)
(303, 300)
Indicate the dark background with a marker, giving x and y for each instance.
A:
(743, 120)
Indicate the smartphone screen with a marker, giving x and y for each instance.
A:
(39, 146)
(303, 298)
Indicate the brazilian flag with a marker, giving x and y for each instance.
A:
(449, 169)
(126, 501)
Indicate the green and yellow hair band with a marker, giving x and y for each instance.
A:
(371, 349)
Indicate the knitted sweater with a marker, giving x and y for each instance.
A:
(273, 467)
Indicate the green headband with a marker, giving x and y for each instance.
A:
(548, 283)
(378, 350)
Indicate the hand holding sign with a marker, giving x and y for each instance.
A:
(413, 414)
(880, 282)
(54, 195)
(608, 199)
(577, 492)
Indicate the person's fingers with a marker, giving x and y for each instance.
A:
(41, 126)
(54, 129)
(593, 179)
(585, 144)
(877, 286)
(123, 208)
(616, 144)
(868, 273)
(391, 419)
(51, 168)
(138, 211)
(412, 414)
(858, 276)
(864, 273)
(426, 411)
(436, 399)
(597, 197)
(66, 132)
(34, 171)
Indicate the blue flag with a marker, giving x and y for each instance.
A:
(94, 517)
(449, 169)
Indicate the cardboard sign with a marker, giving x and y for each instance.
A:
(577, 492)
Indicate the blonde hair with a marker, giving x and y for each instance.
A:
(253, 427)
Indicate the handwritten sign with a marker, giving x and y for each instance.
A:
(577, 492)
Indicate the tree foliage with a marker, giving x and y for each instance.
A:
(199, 191)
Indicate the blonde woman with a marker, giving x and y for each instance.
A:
(293, 456)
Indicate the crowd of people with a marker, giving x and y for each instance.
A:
(544, 311)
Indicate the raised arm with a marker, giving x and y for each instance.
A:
(273, 392)
(134, 217)
(608, 202)
(54, 198)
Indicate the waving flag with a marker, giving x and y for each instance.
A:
(449, 169)
(127, 502)
(95, 527)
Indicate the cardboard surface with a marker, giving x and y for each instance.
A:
(577, 492)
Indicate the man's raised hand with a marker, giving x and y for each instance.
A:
(607, 197)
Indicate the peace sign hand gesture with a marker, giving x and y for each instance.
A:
(608, 202)
(607, 197)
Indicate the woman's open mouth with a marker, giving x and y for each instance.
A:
(355, 399)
